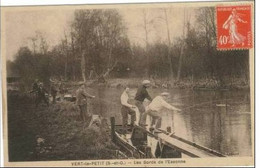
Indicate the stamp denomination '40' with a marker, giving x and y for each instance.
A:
(234, 27)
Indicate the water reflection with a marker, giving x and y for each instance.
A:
(219, 120)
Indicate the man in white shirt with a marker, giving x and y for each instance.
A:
(154, 108)
(127, 109)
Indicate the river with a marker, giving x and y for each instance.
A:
(220, 120)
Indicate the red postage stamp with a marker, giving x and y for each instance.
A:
(234, 27)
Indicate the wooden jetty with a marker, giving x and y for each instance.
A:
(139, 142)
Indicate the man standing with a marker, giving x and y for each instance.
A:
(35, 87)
(154, 108)
(53, 93)
(81, 101)
(40, 95)
(142, 94)
(61, 90)
(127, 109)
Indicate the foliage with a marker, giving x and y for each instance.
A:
(97, 41)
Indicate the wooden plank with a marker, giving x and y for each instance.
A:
(198, 146)
(195, 150)
(180, 144)
(184, 147)
(194, 144)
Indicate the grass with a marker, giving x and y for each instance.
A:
(65, 136)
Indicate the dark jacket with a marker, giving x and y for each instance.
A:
(35, 86)
(142, 93)
(53, 90)
(41, 91)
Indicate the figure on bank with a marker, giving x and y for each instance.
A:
(41, 94)
(81, 102)
(35, 87)
(53, 91)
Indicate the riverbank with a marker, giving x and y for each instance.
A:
(54, 133)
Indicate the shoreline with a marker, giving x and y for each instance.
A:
(202, 84)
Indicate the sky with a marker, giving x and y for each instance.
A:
(20, 25)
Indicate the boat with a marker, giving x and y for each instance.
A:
(140, 142)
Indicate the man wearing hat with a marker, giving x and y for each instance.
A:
(81, 101)
(142, 94)
(154, 108)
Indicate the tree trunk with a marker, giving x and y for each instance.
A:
(74, 58)
(66, 67)
(182, 48)
(83, 66)
(169, 45)
(109, 70)
(146, 44)
(180, 62)
(109, 56)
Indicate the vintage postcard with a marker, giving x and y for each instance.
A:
(140, 85)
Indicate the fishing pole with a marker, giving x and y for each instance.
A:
(203, 103)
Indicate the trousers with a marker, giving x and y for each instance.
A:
(125, 111)
(141, 108)
(156, 118)
(84, 112)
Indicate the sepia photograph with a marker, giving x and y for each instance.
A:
(152, 84)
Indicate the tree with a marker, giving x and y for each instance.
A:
(30, 69)
(39, 43)
(169, 43)
(206, 25)
(99, 34)
(182, 46)
(146, 23)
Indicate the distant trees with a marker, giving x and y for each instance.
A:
(97, 43)
(39, 43)
(30, 67)
(202, 56)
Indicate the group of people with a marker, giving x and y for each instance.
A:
(153, 109)
(55, 88)
(41, 94)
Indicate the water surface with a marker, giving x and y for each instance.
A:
(220, 120)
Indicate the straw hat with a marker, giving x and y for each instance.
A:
(165, 94)
(145, 82)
